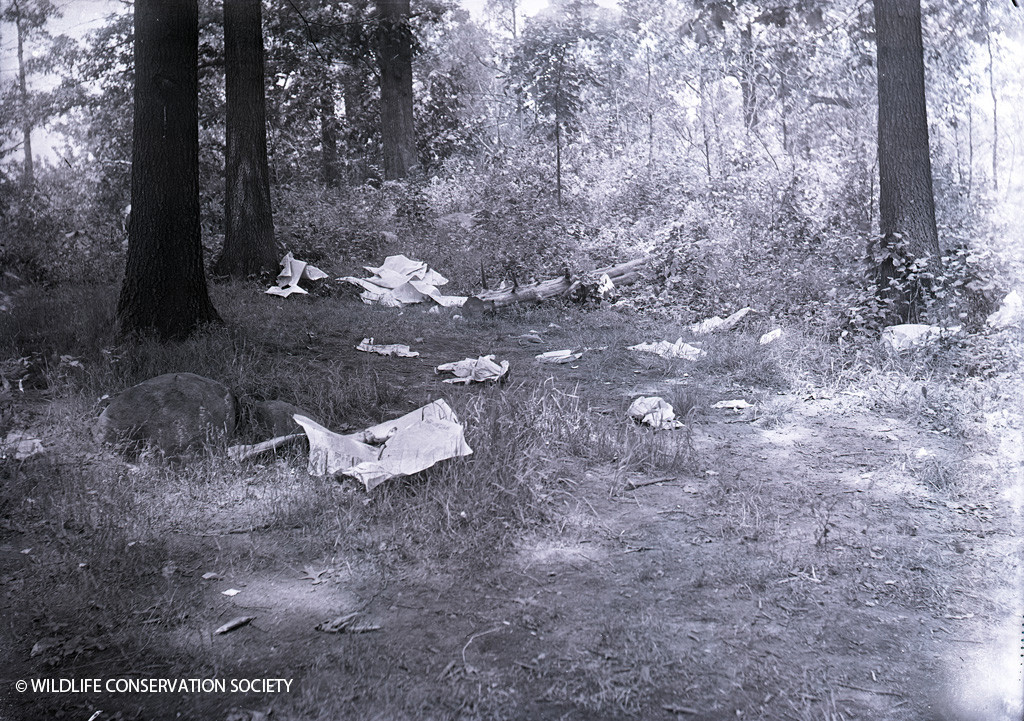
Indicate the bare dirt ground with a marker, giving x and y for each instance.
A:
(826, 562)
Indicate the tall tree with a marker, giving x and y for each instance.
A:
(249, 244)
(164, 289)
(909, 239)
(394, 63)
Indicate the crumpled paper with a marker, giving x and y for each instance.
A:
(909, 335)
(558, 356)
(402, 351)
(670, 350)
(475, 370)
(770, 336)
(400, 447)
(22, 446)
(709, 325)
(654, 411)
(293, 271)
(735, 405)
(402, 281)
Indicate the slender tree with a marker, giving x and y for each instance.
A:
(249, 244)
(394, 63)
(906, 200)
(164, 289)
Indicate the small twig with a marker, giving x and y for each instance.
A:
(632, 485)
(672, 708)
(474, 637)
(871, 690)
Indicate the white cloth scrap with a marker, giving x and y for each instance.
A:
(670, 350)
(709, 325)
(475, 369)
(654, 411)
(402, 351)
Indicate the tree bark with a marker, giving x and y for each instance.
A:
(394, 61)
(249, 244)
(328, 134)
(906, 200)
(28, 177)
(164, 289)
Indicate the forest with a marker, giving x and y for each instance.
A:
(738, 288)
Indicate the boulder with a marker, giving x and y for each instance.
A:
(275, 418)
(174, 412)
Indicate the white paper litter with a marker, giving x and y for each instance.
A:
(402, 351)
(670, 350)
(293, 271)
(558, 356)
(909, 335)
(400, 447)
(736, 405)
(655, 412)
(1011, 312)
(22, 446)
(605, 287)
(402, 281)
(709, 325)
(475, 370)
(770, 336)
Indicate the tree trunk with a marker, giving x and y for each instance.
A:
(328, 133)
(995, 98)
(249, 244)
(164, 288)
(394, 61)
(906, 202)
(748, 78)
(28, 178)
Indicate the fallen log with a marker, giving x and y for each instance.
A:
(622, 274)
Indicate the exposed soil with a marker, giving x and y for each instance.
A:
(819, 568)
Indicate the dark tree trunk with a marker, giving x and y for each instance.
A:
(328, 134)
(906, 202)
(28, 178)
(748, 78)
(394, 60)
(164, 289)
(249, 245)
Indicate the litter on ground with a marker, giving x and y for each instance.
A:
(654, 411)
(293, 271)
(475, 370)
(400, 447)
(910, 335)
(770, 336)
(402, 351)
(1011, 311)
(558, 356)
(403, 281)
(736, 405)
(670, 350)
(22, 446)
(709, 325)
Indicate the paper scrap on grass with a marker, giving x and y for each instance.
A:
(909, 335)
(402, 281)
(22, 446)
(709, 325)
(293, 271)
(475, 370)
(655, 412)
(1011, 311)
(558, 356)
(402, 351)
(770, 336)
(400, 447)
(736, 405)
(670, 350)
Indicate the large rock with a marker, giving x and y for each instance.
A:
(174, 412)
(275, 418)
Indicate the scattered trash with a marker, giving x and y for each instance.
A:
(923, 453)
(402, 351)
(293, 271)
(605, 288)
(22, 446)
(402, 281)
(910, 335)
(736, 405)
(240, 453)
(770, 336)
(233, 624)
(400, 447)
(211, 576)
(1011, 312)
(479, 370)
(530, 337)
(558, 356)
(230, 592)
(670, 350)
(709, 325)
(347, 624)
(655, 412)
